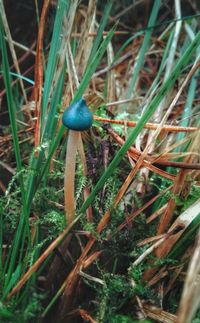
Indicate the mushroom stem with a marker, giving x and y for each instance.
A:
(70, 165)
(86, 190)
(77, 117)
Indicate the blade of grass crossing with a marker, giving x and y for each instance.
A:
(191, 92)
(140, 59)
(50, 128)
(163, 62)
(62, 7)
(125, 44)
(102, 25)
(186, 239)
(188, 109)
(93, 65)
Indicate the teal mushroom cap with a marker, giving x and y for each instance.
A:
(77, 116)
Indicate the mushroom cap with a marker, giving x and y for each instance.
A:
(77, 116)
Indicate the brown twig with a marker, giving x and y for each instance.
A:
(151, 126)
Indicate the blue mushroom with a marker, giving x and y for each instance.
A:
(77, 116)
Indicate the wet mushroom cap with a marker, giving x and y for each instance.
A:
(77, 116)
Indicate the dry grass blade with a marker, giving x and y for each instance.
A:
(170, 62)
(158, 314)
(157, 213)
(85, 44)
(165, 219)
(111, 87)
(150, 250)
(151, 126)
(83, 314)
(181, 223)
(26, 49)
(39, 72)
(190, 299)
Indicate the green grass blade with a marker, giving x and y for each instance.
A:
(93, 65)
(11, 110)
(62, 6)
(12, 115)
(101, 28)
(19, 76)
(188, 109)
(15, 277)
(5, 313)
(143, 49)
(162, 64)
(126, 43)
(50, 127)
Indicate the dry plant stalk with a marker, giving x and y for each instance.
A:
(83, 314)
(158, 314)
(85, 43)
(151, 126)
(39, 72)
(190, 299)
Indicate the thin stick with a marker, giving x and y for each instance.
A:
(21, 46)
(149, 250)
(152, 126)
